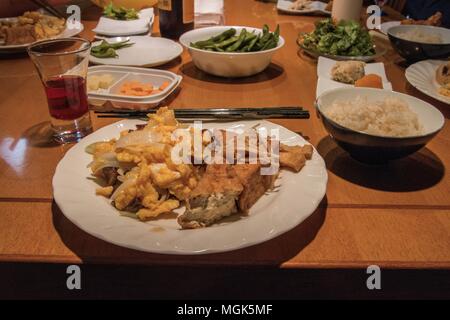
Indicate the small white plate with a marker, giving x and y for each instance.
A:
(274, 213)
(316, 7)
(385, 26)
(116, 28)
(325, 83)
(145, 52)
(67, 33)
(422, 76)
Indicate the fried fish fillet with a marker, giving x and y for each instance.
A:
(254, 184)
(214, 197)
(223, 191)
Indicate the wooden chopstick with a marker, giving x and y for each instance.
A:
(304, 115)
(216, 110)
(48, 7)
(222, 113)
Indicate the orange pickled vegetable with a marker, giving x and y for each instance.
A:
(370, 81)
(164, 85)
(136, 88)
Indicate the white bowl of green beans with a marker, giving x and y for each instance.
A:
(232, 51)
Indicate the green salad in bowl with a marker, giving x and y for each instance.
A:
(345, 40)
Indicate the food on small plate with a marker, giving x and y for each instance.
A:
(370, 81)
(445, 90)
(30, 27)
(301, 4)
(139, 89)
(391, 117)
(229, 41)
(421, 36)
(120, 13)
(346, 38)
(143, 181)
(434, 20)
(443, 73)
(443, 78)
(108, 50)
(348, 71)
(102, 81)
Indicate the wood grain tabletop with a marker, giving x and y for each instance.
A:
(396, 216)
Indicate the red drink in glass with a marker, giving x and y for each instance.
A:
(62, 64)
(66, 95)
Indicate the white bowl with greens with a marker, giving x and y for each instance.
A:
(346, 40)
(233, 52)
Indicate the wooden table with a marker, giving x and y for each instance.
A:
(397, 216)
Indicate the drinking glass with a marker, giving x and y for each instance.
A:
(62, 66)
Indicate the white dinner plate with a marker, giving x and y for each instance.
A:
(316, 7)
(422, 76)
(67, 33)
(297, 197)
(325, 82)
(385, 26)
(146, 52)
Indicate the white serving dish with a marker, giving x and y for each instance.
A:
(115, 28)
(316, 7)
(124, 74)
(227, 64)
(325, 82)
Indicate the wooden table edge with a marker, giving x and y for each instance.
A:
(49, 259)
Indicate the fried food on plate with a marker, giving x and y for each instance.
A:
(30, 27)
(434, 20)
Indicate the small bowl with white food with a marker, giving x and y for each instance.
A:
(376, 126)
(249, 59)
(419, 42)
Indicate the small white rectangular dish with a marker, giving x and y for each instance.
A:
(121, 75)
(325, 83)
(315, 7)
(116, 28)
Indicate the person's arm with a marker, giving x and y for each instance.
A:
(13, 8)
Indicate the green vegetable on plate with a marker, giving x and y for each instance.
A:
(120, 13)
(108, 50)
(347, 38)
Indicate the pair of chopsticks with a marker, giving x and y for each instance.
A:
(218, 114)
(48, 7)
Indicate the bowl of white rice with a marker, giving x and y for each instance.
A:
(419, 42)
(376, 126)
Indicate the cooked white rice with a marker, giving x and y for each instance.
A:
(391, 117)
(417, 35)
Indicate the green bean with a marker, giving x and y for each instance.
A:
(252, 44)
(219, 38)
(228, 41)
(238, 43)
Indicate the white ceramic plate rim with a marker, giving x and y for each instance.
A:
(384, 27)
(271, 216)
(427, 84)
